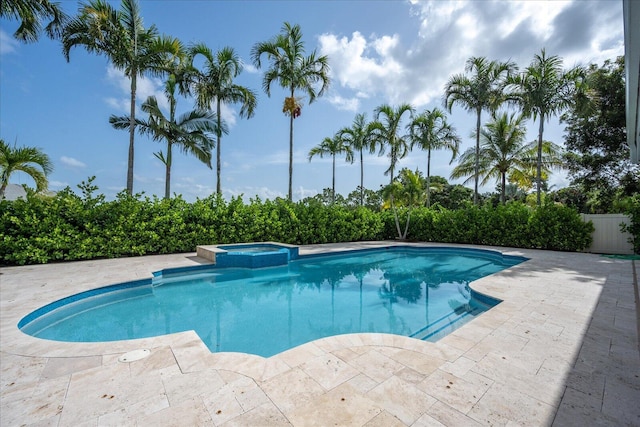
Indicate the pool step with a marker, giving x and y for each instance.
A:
(445, 325)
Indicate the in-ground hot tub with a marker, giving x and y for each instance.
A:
(249, 255)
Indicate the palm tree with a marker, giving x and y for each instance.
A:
(332, 146)
(385, 130)
(542, 90)
(405, 191)
(430, 131)
(293, 71)
(482, 91)
(503, 152)
(215, 82)
(31, 13)
(192, 131)
(359, 137)
(29, 160)
(123, 39)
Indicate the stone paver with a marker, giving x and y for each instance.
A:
(561, 349)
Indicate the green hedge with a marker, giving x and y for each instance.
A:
(71, 227)
(551, 227)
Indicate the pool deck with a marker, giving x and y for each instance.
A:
(561, 349)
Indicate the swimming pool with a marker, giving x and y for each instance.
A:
(419, 292)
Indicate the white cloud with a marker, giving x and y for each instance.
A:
(145, 87)
(7, 43)
(71, 162)
(344, 104)
(450, 32)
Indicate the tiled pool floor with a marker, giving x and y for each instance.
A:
(562, 349)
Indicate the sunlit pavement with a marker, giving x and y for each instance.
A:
(562, 348)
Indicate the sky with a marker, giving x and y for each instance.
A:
(379, 52)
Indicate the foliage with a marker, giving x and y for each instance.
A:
(31, 13)
(550, 227)
(129, 46)
(631, 206)
(430, 131)
(29, 160)
(504, 153)
(597, 153)
(70, 227)
(404, 193)
(215, 83)
(332, 147)
(480, 90)
(359, 137)
(293, 71)
(544, 89)
(191, 132)
(385, 134)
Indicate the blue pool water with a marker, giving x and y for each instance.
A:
(406, 291)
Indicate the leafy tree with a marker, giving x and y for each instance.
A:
(363, 197)
(123, 39)
(31, 14)
(483, 90)
(29, 160)
(450, 196)
(430, 131)
(215, 83)
(191, 131)
(544, 89)
(597, 154)
(404, 192)
(385, 133)
(359, 137)
(332, 147)
(294, 72)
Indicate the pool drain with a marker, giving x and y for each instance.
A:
(134, 355)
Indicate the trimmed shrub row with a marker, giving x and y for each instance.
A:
(69, 227)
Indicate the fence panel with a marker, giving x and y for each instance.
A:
(607, 237)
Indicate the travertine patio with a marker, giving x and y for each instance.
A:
(562, 348)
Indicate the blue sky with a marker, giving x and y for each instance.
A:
(379, 52)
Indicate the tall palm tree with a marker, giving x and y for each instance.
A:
(294, 72)
(333, 147)
(31, 13)
(29, 160)
(504, 153)
(430, 131)
(544, 89)
(482, 90)
(215, 83)
(359, 137)
(123, 39)
(385, 133)
(192, 132)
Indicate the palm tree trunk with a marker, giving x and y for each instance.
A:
(406, 226)
(539, 163)
(429, 178)
(504, 185)
(167, 177)
(361, 179)
(291, 152)
(477, 167)
(132, 130)
(219, 135)
(395, 216)
(2, 190)
(333, 181)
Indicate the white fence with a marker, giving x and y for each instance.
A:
(607, 237)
